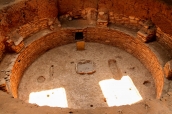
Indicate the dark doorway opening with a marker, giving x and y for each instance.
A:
(79, 36)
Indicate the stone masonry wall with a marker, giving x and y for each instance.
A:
(32, 27)
(25, 17)
(33, 51)
(130, 13)
(113, 18)
(24, 12)
(100, 35)
(156, 10)
(128, 21)
(164, 39)
(31, 16)
(2, 48)
(75, 6)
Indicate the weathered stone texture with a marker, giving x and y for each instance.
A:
(150, 9)
(33, 27)
(2, 50)
(100, 35)
(26, 11)
(127, 21)
(132, 14)
(47, 8)
(31, 16)
(74, 6)
(168, 70)
(28, 17)
(147, 32)
(164, 39)
(33, 51)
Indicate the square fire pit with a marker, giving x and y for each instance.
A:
(85, 67)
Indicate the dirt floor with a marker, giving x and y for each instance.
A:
(57, 70)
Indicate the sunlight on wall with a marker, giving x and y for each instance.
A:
(53, 98)
(120, 92)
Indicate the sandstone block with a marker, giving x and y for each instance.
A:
(80, 45)
(131, 17)
(101, 13)
(125, 18)
(17, 48)
(147, 32)
(148, 24)
(168, 70)
(137, 19)
(158, 35)
(143, 34)
(141, 22)
(111, 13)
(133, 21)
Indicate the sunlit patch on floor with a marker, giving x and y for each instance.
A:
(120, 92)
(53, 98)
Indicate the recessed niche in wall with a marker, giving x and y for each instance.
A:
(79, 36)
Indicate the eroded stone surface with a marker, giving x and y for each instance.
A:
(168, 69)
(147, 32)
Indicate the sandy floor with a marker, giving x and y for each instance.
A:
(57, 67)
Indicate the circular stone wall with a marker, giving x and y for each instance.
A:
(55, 69)
(100, 35)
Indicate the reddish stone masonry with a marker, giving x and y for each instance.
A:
(100, 35)
(29, 17)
